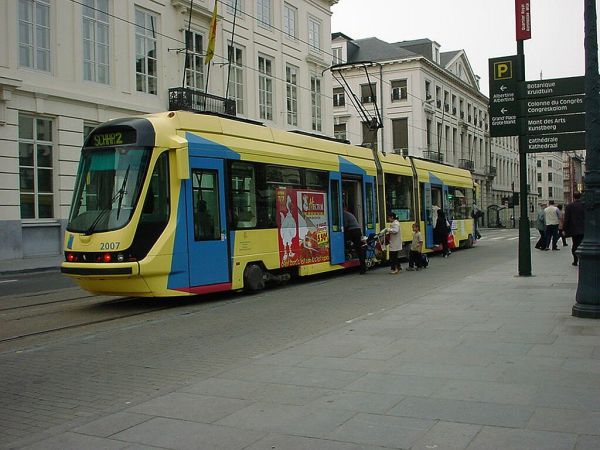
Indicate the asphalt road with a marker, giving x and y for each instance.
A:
(148, 347)
(19, 284)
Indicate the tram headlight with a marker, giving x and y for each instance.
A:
(120, 257)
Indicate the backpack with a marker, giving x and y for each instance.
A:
(424, 260)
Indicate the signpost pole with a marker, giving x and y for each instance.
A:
(588, 292)
(524, 240)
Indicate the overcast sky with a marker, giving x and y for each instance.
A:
(483, 28)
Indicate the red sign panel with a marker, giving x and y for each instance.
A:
(523, 19)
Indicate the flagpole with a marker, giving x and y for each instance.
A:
(210, 50)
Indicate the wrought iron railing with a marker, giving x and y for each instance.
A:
(490, 171)
(188, 99)
(466, 164)
(433, 155)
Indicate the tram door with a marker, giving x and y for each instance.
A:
(337, 253)
(207, 224)
(432, 195)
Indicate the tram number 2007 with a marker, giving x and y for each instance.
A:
(109, 245)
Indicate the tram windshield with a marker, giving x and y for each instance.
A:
(107, 188)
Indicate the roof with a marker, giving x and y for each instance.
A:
(446, 57)
(373, 49)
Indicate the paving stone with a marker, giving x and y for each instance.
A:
(184, 435)
(350, 363)
(197, 408)
(283, 442)
(111, 424)
(566, 420)
(372, 429)
(358, 401)
(589, 365)
(438, 370)
(510, 439)
(301, 376)
(74, 441)
(263, 392)
(447, 436)
(584, 399)
(481, 391)
(464, 412)
(396, 384)
(588, 443)
(562, 351)
(288, 419)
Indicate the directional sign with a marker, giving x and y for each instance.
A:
(552, 88)
(504, 107)
(552, 124)
(566, 104)
(554, 142)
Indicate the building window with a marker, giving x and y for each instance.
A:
(539, 191)
(539, 163)
(550, 193)
(263, 13)
(232, 5)
(539, 176)
(96, 41)
(549, 176)
(337, 55)
(399, 90)
(146, 56)
(236, 78)
(339, 131)
(314, 35)
(34, 34)
(367, 93)
(194, 60)
(427, 90)
(549, 163)
(291, 78)
(36, 160)
(265, 88)
(315, 97)
(339, 97)
(400, 133)
(290, 20)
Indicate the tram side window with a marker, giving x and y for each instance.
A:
(460, 203)
(370, 206)
(243, 193)
(316, 179)
(157, 205)
(336, 224)
(205, 193)
(399, 196)
(275, 177)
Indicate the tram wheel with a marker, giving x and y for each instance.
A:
(254, 278)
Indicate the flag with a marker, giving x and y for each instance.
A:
(210, 50)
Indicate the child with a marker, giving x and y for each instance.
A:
(395, 242)
(416, 247)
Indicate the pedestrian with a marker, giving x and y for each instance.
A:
(561, 223)
(476, 214)
(441, 231)
(395, 242)
(551, 214)
(353, 233)
(574, 224)
(416, 248)
(540, 224)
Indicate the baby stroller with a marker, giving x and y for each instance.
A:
(374, 245)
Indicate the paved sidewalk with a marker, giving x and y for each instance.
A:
(28, 265)
(491, 362)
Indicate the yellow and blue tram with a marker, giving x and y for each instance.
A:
(179, 203)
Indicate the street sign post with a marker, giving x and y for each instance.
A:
(559, 142)
(552, 124)
(565, 104)
(552, 88)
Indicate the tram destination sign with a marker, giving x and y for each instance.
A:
(504, 107)
(565, 104)
(552, 124)
(555, 142)
(552, 88)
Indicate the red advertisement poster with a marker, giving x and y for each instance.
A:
(523, 19)
(303, 227)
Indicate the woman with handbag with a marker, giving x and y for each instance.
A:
(441, 231)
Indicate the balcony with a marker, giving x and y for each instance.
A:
(490, 171)
(188, 99)
(433, 155)
(466, 164)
